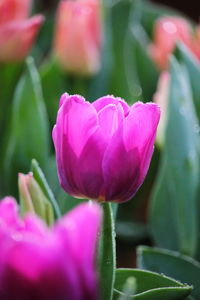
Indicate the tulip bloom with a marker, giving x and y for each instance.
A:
(78, 32)
(161, 98)
(168, 31)
(48, 264)
(104, 149)
(17, 32)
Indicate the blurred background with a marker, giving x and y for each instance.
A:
(128, 70)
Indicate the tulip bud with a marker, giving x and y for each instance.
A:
(78, 35)
(167, 32)
(32, 198)
(17, 32)
(104, 148)
(161, 98)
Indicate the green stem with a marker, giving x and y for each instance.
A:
(107, 253)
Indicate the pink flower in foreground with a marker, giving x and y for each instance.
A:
(78, 36)
(161, 98)
(167, 32)
(38, 263)
(104, 149)
(17, 31)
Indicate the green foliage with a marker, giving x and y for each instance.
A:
(173, 264)
(174, 206)
(149, 286)
(29, 132)
(41, 180)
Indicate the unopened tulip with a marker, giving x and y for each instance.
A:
(167, 32)
(104, 149)
(32, 198)
(17, 31)
(78, 35)
(48, 264)
(161, 98)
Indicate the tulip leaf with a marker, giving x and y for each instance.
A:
(53, 85)
(120, 21)
(29, 132)
(9, 76)
(193, 68)
(144, 65)
(174, 203)
(128, 289)
(171, 263)
(107, 255)
(149, 286)
(41, 180)
(98, 84)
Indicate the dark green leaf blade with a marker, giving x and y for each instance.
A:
(172, 264)
(174, 205)
(29, 134)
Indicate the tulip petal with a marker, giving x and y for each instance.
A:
(106, 100)
(128, 155)
(81, 226)
(140, 130)
(18, 36)
(9, 212)
(108, 120)
(78, 36)
(14, 10)
(47, 276)
(89, 169)
(120, 169)
(76, 122)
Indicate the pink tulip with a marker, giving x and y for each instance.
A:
(17, 32)
(78, 34)
(167, 32)
(197, 42)
(104, 149)
(40, 263)
(161, 98)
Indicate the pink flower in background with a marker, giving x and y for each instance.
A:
(197, 42)
(78, 36)
(48, 264)
(161, 98)
(104, 149)
(17, 31)
(168, 31)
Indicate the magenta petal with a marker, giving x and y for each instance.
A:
(9, 212)
(128, 155)
(121, 170)
(140, 125)
(76, 122)
(81, 226)
(89, 168)
(63, 98)
(104, 101)
(59, 264)
(39, 271)
(140, 130)
(109, 120)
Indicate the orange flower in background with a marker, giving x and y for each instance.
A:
(167, 32)
(78, 36)
(17, 31)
